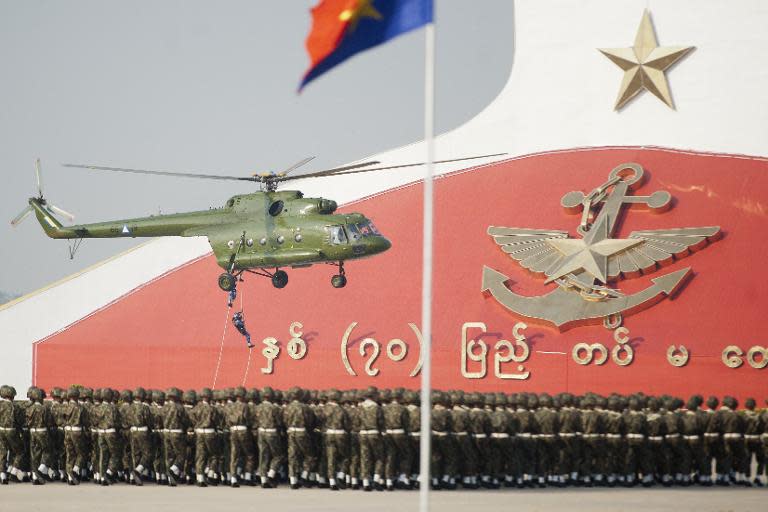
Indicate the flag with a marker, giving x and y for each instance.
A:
(342, 28)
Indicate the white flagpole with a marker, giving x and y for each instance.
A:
(426, 273)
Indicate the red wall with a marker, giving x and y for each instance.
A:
(169, 331)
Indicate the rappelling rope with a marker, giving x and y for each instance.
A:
(250, 350)
(221, 347)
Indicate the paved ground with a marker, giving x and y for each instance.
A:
(87, 497)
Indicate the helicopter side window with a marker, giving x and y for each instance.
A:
(338, 236)
(275, 208)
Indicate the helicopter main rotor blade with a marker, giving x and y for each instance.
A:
(21, 216)
(296, 166)
(330, 172)
(341, 171)
(38, 175)
(163, 173)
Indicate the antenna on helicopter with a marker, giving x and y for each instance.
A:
(51, 208)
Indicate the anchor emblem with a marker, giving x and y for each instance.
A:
(583, 268)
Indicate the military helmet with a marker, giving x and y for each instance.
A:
(730, 402)
(334, 395)
(385, 395)
(239, 392)
(158, 396)
(57, 392)
(501, 399)
(398, 394)
(279, 395)
(653, 403)
(267, 393)
(750, 403)
(73, 393)
(98, 393)
(587, 401)
(712, 402)
(34, 393)
(566, 399)
(545, 400)
(489, 399)
(293, 393)
(513, 399)
(255, 393)
(634, 404)
(438, 397)
(371, 393)
(173, 394)
(126, 395)
(206, 394)
(189, 397)
(456, 397)
(140, 393)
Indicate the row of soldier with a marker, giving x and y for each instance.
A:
(369, 439)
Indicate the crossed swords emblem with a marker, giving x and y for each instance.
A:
(583, 268)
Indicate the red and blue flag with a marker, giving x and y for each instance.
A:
(342, 28)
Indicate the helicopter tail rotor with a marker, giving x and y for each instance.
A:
(40, 199)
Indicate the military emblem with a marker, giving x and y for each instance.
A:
(586, 269)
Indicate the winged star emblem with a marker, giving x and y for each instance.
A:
(584, 268)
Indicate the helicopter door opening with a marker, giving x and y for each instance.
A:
(338, 236)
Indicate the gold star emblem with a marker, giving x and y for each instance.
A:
(644, 64)
(360, 9)
(589, 254)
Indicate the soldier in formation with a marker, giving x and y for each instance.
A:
(369, 439)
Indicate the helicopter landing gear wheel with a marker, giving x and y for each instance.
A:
(339, 281)
(280, 279)
(227, 282)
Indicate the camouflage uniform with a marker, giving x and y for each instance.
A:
(271, 453)
(157, 436)
(614, 440)
(414, 434)
(713, 441)
(753, 427)
(762, 462)
(204, 416)
(462, 441)
(637, 460)
(298, 424)
(479, 428)
(107, 423)
(138, 418)
(547, 440)
(396, 442)
(58, 413)
(570, 440)
(528, 429)
(175, 423)
(502, 429)
(242, 454)
(692, 434)
(38, 421)
(371, 445)
(443, 461)
(354, 440)
(593, 445)
(336, 424)
(730, 425)
(656, 448)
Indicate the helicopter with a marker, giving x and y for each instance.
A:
(260, 233)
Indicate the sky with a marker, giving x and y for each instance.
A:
(203, 86)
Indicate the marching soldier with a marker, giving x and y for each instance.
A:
(692, 434)
(396, 442)
(442, 461)
(501, 442)
(204, 416)
(138, 419)
(175, 425)
(547, 441)
(56, 446)
(371, 446)
(636, 459)
(335, 440)
(158, 440)
(570, 434)
(463, 442)
(414, 435)
(729, 424)
(713, 442)
(297, 421)
(594, 442)
(107, 422)
(38, 420)
(269, 417)
(479, 427)
(753, 427)
(762, 462)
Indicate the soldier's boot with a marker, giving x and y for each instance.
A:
(354, 484)
(233, 482)
(332, 484)
(294, 482)
(367, 485)
(390, 484)
(3, 478)
(36, 479)
(403, 482)
(200, 481)
(378, 483)
(268, 481)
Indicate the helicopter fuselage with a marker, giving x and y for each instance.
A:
(258, 230)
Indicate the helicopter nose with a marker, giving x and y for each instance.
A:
(381, 244)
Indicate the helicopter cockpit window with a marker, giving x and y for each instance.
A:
(275, 208)
(338, 236)
(354, 233)
(368, 229)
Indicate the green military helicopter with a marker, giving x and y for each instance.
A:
(258, 233)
